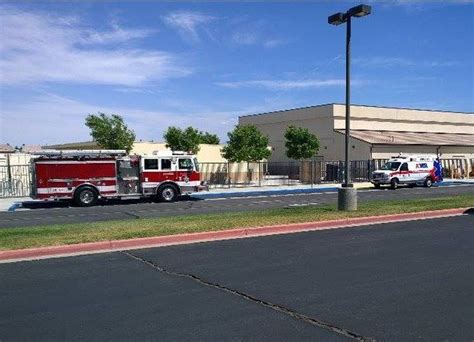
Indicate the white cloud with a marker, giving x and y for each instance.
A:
(55, 119)
(36, 48)
(188, 23)
(254, 33)
(271, 43)
(245, 38)
(380, 61)
(287, 84)
(116, 35)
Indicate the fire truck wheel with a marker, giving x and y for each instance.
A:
(428, 182)
(86, 197)
(168, 193)
(394, 183)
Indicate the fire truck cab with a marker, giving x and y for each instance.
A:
(86, 176)
(409, 170)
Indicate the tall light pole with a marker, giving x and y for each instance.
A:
(347, 195)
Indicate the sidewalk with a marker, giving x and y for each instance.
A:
(7, 203)
(273, 190)
(296, 189)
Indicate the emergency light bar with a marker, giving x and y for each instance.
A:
(167, 153)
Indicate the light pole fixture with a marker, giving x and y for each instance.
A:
(347, 195)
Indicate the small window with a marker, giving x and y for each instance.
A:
(185, 164)
(151, 164)
(166, 164)
(404, 167)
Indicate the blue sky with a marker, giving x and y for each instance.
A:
(205, 63)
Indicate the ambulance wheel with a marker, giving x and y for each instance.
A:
(168, 193)
(394, 184)
(428, 182)
(86, 197)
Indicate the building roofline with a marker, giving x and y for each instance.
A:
(354, 105)
(287, 110)
(405, 108)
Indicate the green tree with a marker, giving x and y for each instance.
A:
(246, 144)
(182, 140)
(300, 143)
(208, 138)
(110, 131)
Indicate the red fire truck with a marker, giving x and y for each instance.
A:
(86, 176)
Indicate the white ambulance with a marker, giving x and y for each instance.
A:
(409, 170)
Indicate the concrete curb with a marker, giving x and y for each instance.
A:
(179, 239)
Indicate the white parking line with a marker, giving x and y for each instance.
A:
(302, 204)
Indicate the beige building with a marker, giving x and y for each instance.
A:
(376, 132)
(207, 152)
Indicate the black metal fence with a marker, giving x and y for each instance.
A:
(307, 172)
(285, 173)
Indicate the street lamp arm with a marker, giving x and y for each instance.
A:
(357, 11)
(337, 19)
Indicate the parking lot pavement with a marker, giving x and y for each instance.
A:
(114, 297)
(397, 281)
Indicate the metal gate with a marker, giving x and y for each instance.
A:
(15, 181)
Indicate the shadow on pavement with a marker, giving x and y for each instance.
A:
(469, 211)
(100, 203)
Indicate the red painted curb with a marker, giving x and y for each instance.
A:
(115, 245)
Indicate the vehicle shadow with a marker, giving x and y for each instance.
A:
(469, 211)
(100, 203)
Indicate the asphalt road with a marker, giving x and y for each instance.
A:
(393, 282)
(123, 210)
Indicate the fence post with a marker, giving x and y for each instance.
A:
(368, 169)
(228, 175)
(289, 172)
(9, 171)
(259, 174)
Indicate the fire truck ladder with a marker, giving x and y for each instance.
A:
(82, 153)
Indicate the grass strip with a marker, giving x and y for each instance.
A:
(64, 234)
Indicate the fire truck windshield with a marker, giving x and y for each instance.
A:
(392, 166)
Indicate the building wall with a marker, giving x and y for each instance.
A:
(446, 152)
(323, 120)
(207, 153)
(319, 120)
(404, 120)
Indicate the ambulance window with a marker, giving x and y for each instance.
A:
(404, 167)
(392, 166)
(166, 164)
(151, 164)
(185, 164)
